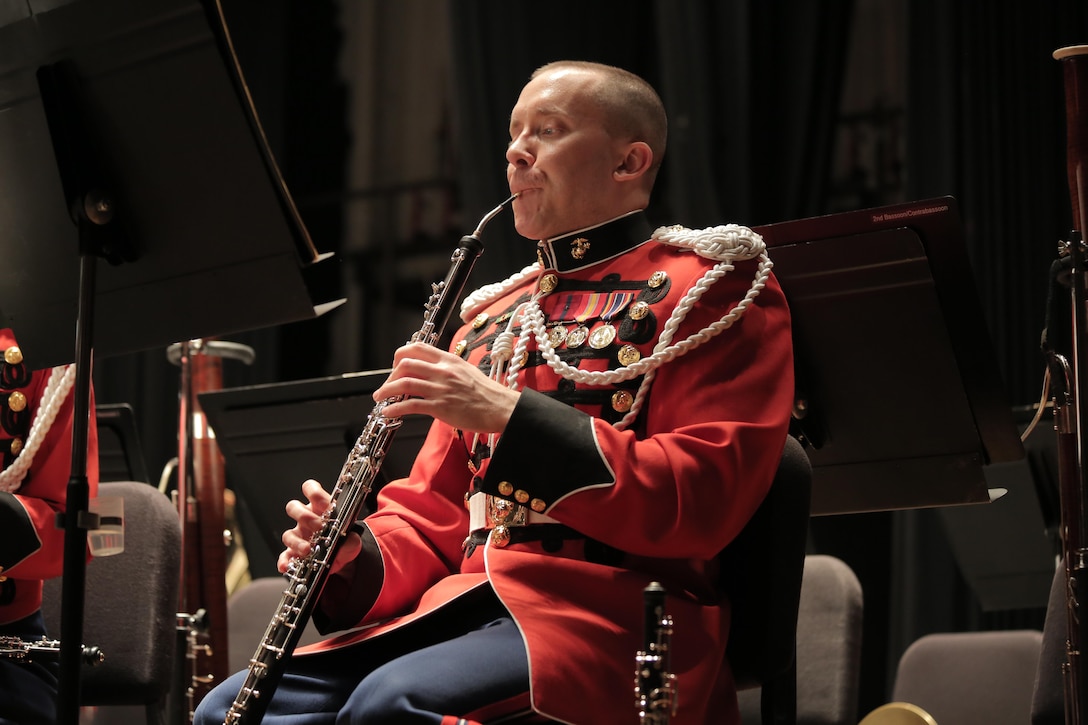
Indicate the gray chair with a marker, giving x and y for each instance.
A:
(249, 610)
(828, 666)
(1048, 697)
(971, 677)
(130, 606)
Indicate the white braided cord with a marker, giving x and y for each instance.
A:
(489, 292)
(723, 244)
(61, 380)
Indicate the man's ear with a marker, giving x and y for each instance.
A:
(636, 162)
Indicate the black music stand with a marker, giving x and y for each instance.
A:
(901, 401)
(130, 117)
(275, 436)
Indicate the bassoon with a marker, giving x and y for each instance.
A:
(306, 576)
(1069, 387)
(202, 627)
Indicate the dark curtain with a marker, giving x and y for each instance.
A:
(752, 90)
(987, 125)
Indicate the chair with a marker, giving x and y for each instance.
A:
(249, 610)
(969, 677)
(761, 575)
(130, 605)
(1048, 697)
(829, 626)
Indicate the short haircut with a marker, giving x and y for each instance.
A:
(632, 108)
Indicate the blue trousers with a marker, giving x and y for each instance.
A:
(461, 659)
(28, 691)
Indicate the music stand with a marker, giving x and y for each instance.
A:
(120, 453)
(275, 436)
(900, 401)
(131, 118)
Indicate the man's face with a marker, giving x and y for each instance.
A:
(560, 159)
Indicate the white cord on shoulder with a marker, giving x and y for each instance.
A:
(488, 292)
(56, 391)
(721, 243)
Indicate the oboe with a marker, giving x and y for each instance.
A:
(306, 576)
(44, 649)
(655, 685)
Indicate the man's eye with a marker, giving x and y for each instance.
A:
(549, 131)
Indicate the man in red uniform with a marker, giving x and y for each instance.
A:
(36, 408)
(610, 416)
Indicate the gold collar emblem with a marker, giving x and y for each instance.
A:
(579, 247)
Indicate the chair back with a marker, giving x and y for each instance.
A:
(984, 677)
(249, 609)
(1048, 698)
(761, 575)
(130, 603)
(829, 629)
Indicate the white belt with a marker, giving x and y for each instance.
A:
(486, 512)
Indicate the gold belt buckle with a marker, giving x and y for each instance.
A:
(501, 512)
(501, 515)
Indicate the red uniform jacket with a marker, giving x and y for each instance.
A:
(32, 545)
(656, 501)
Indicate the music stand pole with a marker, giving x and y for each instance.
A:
(92, 209)
(77, 519)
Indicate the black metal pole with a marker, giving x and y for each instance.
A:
(77, 519)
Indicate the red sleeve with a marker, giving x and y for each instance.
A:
(43, 492)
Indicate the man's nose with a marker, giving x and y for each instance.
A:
(518, 153)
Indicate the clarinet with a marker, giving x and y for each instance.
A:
(655, 686)
(306, 576)
(27, 651)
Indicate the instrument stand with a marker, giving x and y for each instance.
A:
(142, 157)
(1064, 347)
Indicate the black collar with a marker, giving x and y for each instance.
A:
(596, 244)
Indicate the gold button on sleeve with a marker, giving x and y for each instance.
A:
(506, 488)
